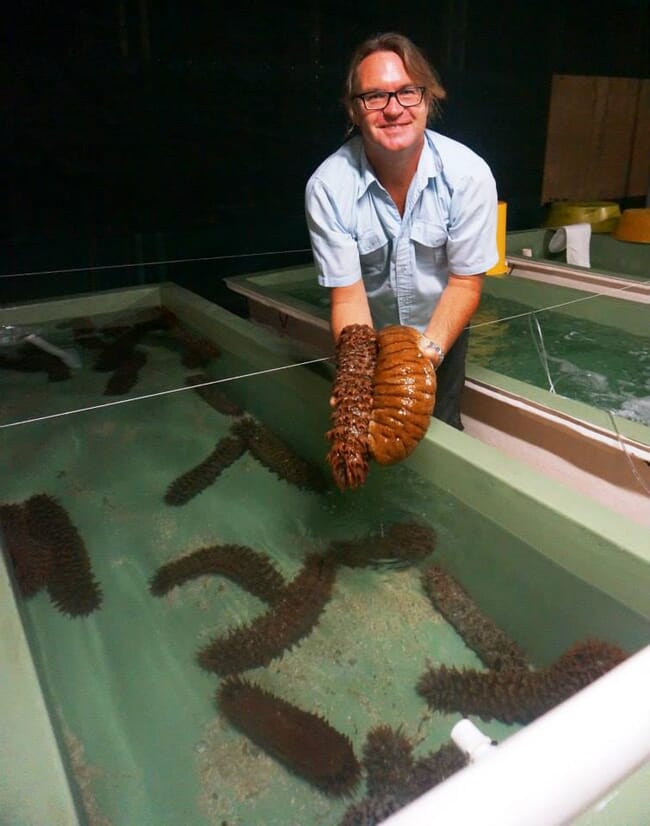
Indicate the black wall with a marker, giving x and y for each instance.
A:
(132, 118)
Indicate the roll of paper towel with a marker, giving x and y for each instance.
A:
(575, 239)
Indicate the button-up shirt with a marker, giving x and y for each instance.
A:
(448, 226)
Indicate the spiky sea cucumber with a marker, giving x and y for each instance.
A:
(356, 357)
(31, 559)
(395, 776)
(213, 395)
(71, 584)
(278, 629)
(383, 396)
(251, 570)
(302, 741)
(125, 376)
(516, 695)
(493, 646)
(194, 481)
(276, 455)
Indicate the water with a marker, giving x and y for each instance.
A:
(136, 714)
(602, 366)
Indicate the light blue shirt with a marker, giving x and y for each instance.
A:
(449, 226)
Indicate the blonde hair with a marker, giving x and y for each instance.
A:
(415, 62)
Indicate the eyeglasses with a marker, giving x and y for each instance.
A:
(406, 97)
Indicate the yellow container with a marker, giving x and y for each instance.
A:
(501, 267)
(634, 226)
(602, 215)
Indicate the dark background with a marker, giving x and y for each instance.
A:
(140, 131)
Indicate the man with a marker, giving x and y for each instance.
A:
(402, 220)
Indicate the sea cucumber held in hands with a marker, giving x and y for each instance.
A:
(383, 396)
(403, 395)
(356, 356)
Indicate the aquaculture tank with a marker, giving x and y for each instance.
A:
(199, 627)
(558, 370)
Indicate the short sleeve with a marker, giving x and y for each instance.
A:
(472, 239)
(334, 247)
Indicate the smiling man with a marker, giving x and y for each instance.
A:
(402, 220)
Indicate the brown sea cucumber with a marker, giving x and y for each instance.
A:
(276, 455)
(198, 350)
(517, 695)
(403, 393)
(197, 479)
(251, 570)
(213, 395)
(493, 646)
(278, 629)
(30, 558)
(395, 777)
(436, 766)
(302, 741)
(356, 357)
(383, 396)
(388, 761)
(115, 353)
(70, 584)
(125, 376)
(371, 810)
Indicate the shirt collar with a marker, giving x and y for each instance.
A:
(429, 166)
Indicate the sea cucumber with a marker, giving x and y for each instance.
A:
(383, 396)
(494, 647)
(197, 479)
(199, 351)
(302, 741)
(278, 629)
(31, 559)
(248, 568)
(70, 584)
(276, 455)
(213, 395)
(395, 777)
(403, 395)
(120, 350)
(516, 695)
(356, 357)
(125, 376)
(388, 761)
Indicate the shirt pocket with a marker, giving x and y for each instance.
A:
(374, 252)
(430, 245)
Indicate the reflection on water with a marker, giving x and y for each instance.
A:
(602, 366)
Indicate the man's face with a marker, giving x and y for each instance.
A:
(395, 128)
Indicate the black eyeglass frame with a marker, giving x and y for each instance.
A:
(363, 95)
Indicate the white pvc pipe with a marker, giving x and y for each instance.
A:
(69, 357)
(556, 767)
(471, 740)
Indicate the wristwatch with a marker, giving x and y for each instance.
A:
(428, 344)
